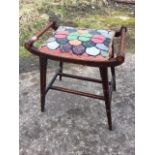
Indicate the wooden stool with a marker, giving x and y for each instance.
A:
(82, 46)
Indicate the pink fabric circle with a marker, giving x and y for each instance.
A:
(98, 38)
(61, 34)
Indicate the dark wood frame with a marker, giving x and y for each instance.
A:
(108, 87)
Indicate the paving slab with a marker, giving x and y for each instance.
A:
(75, 125)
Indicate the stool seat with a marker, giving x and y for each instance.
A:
(80, 43)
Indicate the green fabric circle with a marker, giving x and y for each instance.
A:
(88, 44)
(72, 37)
(84, 38)
(62, 40)
(74, 34)
(87, 35)
(104, 53)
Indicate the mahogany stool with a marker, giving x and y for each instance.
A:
(82, 46)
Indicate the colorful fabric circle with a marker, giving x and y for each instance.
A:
(103, 32)
(94, 32)
(50, 40)
(85, 37)
(89, 43)
(72, 37)
(61, 28)
(62, 40)
(78, 50)
(70, 29)
(83, 31)
(92, 51)
(60, 35)
(110, 34)
(65, 47)
(74, 34)
(104, 53)
(98, 38)
(102, 47)
(52, 45)
(75, 42)
(107, 42)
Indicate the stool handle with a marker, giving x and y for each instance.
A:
(29, 43)
(120, 57)
(121, 54)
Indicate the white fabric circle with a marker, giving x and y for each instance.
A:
(92, 51)
(52, 45)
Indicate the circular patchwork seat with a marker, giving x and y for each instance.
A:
(79, 43)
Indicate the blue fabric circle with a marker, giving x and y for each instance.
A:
(50, 39)
(102, 46)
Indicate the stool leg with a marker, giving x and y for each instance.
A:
(61, 70)
(43, 69)
(113, 71)
(113, 78)
(105, 85)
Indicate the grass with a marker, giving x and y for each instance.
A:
(34, 16)
(98, 21)
(23, 53)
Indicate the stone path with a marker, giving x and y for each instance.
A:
(75, 125)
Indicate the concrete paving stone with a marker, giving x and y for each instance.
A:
(75, 125)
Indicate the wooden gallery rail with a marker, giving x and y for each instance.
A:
(108, 86)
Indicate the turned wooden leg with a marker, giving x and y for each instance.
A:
(106, 91)
(113, 72)
(61, 70)
(43, 69)
(113, 78)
